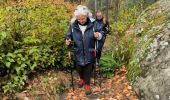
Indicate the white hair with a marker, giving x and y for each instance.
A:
(81, 10)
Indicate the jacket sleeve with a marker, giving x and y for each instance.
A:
(100, 36)
(100, 30)
(69, 33)
(102, 33)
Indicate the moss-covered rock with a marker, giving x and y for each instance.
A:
(149, 65)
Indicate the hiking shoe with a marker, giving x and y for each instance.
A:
(87, 89)
(81, 83)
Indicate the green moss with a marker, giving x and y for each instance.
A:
(153, 7)
(139, 53)
(133, 72)
(152, 25)
(168, 15)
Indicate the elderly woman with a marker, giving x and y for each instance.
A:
(81, 32)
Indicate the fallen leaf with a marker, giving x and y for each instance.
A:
(129, 87)
(5, 98)
(20, 95)
(128, 94)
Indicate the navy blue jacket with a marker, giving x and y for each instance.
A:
(83, 45)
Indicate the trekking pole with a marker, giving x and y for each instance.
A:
(95, 64)
(100, 81)
(70, 61)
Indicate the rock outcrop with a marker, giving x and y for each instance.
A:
(153, 31)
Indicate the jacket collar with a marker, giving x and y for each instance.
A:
(89, 24)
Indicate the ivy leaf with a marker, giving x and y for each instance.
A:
(11, 60)
(24, 77)
(23, 65)
(11, 55)
(18, 70)
(33, 66)
(16, 79)
(8, 64)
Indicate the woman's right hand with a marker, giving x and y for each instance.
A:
(68, 42)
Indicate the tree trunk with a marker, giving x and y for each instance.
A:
(95, 2)
(107, 9)
(116, 10)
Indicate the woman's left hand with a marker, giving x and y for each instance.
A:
(96, 35)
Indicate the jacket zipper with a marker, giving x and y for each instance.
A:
(83, 47)
(82, 43)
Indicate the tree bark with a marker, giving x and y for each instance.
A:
(116, 10)
(107, 9)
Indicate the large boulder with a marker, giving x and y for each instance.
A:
(153, 53)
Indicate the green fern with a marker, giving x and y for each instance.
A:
(108, 65)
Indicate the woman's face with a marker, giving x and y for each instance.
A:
(99, 15)
(82, 19)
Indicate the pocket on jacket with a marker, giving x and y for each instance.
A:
(77, 54)
(76, 51)
(91, 54)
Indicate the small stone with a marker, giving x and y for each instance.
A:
(166, 43)
(157, 97)
(26, 98)
(55, 79)
(169, 25)
(163, 47)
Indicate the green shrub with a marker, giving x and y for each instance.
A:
(31, 39)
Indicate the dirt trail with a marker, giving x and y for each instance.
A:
(116, 88)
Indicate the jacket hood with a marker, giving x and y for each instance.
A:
(73, 20)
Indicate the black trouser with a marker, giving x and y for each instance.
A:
(100, 47)
(85, 72)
